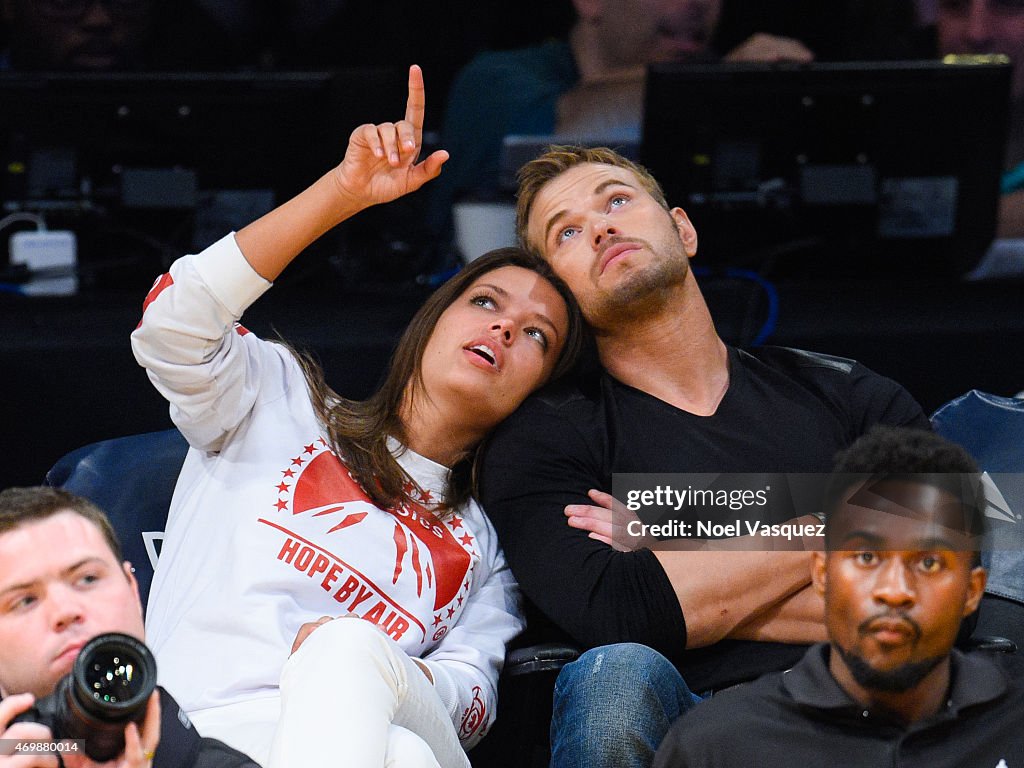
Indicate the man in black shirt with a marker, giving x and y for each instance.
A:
(672, 398)
(905, 517)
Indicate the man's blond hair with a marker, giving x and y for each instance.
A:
(557, 160)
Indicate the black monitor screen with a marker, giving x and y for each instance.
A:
(176, 158)
(832, 168)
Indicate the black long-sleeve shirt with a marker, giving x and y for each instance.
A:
(785, 411)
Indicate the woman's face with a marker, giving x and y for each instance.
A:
(495, 344)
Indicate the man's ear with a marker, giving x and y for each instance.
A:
(975, 589)
(129, 573)
(818, 576)
(687, 233)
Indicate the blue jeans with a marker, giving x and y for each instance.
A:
(613, 706)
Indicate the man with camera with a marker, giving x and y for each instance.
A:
(62, 583)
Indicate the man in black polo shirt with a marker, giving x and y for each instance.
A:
(905, 517)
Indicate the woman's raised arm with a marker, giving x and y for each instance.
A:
(380, 165)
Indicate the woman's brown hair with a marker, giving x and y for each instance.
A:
(359, 429)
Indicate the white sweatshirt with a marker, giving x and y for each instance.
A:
(268, 530)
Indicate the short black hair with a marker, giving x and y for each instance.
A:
(912, 455)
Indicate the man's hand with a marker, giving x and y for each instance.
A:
(770, 48)
(11, 707)
(139, 743)
(1011, 215)
(380, 162)
(607, 520)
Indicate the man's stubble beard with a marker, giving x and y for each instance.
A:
(644, 290)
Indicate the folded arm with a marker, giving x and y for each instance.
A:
(727, 588)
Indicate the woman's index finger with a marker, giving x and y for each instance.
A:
(416, 103)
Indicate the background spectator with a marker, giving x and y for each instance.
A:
(80, 34)
(114, 35)
(994, 26)
(588, 86)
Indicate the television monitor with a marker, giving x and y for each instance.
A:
(172, 159)
(832, 168)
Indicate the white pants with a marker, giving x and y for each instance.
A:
(351, 697)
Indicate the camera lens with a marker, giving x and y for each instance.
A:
(109, 686)
(114, 675)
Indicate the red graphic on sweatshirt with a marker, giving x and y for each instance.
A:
(349, 587)
(474, 716)
(324, 487)
(163, 282)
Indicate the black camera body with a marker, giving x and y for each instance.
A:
(107, 688)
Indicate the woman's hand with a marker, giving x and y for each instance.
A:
(379, 165)
(306, 630)
(309, 627)
(380, 162)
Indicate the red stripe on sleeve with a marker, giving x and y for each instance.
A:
(164, 281)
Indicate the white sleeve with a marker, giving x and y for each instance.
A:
(209, 369)
(467, 662)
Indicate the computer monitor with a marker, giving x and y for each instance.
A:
(174, 159)
(832, 169)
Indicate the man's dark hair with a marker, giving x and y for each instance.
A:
(19, 506)
(887, 454)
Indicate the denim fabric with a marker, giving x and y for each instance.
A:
(1005, 560)
(613, 706)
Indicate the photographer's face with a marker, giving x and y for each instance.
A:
(60, 586)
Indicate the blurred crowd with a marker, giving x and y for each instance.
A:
(571, 67)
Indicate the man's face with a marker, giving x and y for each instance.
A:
(60, 586)
(985, 26)
(87, 35)
(897, 582)
(637, 32)
(609, 239)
